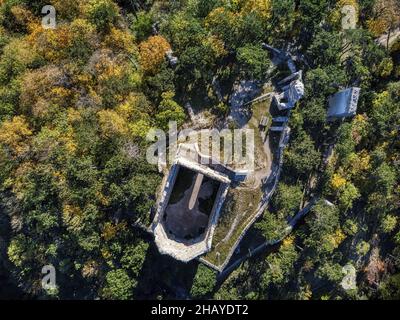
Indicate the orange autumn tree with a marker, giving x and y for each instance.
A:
(152, 53)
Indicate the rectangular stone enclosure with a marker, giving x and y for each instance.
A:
(190, 204)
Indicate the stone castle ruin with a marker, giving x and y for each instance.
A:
(196, 185)
(190, 206)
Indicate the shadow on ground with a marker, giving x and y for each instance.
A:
(164, 277)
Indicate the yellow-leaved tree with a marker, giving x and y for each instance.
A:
(14, 135)
(112, 124)
(260, 7)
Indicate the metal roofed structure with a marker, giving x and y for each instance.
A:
(343, 104)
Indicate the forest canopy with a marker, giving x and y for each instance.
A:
(77, 101)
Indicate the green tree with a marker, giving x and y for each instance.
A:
(390, 288)
(102, 13)
(134, 256)
(348, 195)
(142, 26)
(323, 223)
(119, 286)
(287, 199)
(388, 223)
(385, 114)
(283, 17)
(203, 282)
(346, 144)
(272, 227)
(301, 157)
(363, 248)
(384, 178)
(280, 266)
(254, 61)
(326, 48)
(330, 271)
(169, 110)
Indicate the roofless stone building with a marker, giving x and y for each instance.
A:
(190, 205)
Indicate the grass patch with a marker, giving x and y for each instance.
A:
(260, 109)
(242, 205)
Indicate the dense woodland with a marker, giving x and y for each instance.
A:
(77, 101)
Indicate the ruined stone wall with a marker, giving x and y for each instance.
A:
(177, 248)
